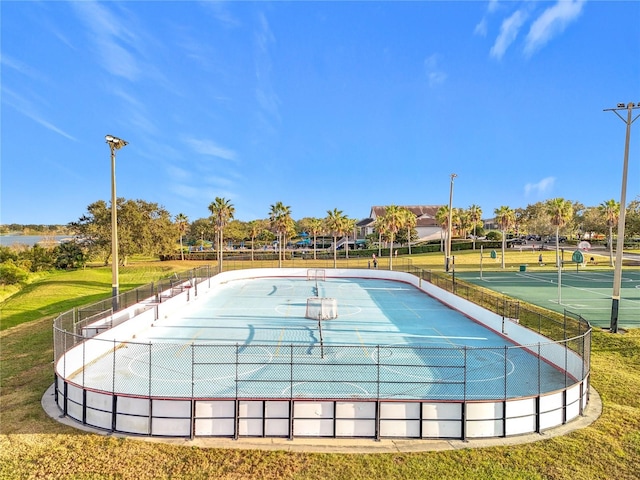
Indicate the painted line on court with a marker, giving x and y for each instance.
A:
(445, 337)
(362, 342)
(279, 342)
(408, 308)
(186, 345)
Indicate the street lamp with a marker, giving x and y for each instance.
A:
(617, 272)
(114, 143)
(448, 259)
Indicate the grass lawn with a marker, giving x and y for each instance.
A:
(32, 445)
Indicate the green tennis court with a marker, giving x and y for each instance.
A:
(582, 292)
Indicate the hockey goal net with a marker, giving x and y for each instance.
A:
(316, 274)
(321, 308)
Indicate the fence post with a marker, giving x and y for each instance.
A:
(463, 420)
(291, 404)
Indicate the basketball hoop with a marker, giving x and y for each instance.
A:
(584, 245)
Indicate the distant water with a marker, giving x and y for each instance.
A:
(29, 240)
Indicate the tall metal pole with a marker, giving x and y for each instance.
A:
(617, 272)
(114, 144)
(449, 226)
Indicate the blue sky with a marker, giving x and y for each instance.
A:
(319, 105)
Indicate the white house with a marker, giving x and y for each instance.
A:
(426, 224)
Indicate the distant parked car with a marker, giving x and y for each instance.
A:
(552, 239)
(517, 241)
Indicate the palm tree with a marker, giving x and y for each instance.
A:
(464, 221)
(475, 216)
(349, 226)
(280, 218)
(315, 226)
(560, 212)
(393, 219)
(221, 212)
(381, 228)
(611, 211)
(182, 222)
(442, 217)
(255, 229)
(336, 223)
(409, 222)
(505, 217)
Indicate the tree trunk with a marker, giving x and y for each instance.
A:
(611, 246)
(558, 248)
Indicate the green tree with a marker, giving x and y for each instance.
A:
(281, 223)
(70, 255)
(236, 231)
(222, 212)
(632, 219)
(200, 231)
(381, 228)
(182, 223)
(593, 222)
(610, 210)
(577, 219)
(337, 224)
(535, 219)
(409, 221)
(7, 254)
(464, 222)
(349, 227)
(442, 217)
(394, 221)
(560, 212)
(505, 217)
(315, 227)
(143, 228)
(255, 229)
(475, 217)
(94, 227)
(10, 273)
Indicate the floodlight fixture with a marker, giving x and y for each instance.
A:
(115, 142)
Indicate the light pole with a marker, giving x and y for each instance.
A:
(448, 259)
(114, 143)
(617, 272)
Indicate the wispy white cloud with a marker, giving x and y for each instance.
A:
(178, 174)
(481, 27)
(221, 13)
(111, 38)
(26, 108)
(21, 67)
(210, 148)
(540, 188)
(508, 33)
(137, 112)
(265, 93)
(552, 22)
(435, 75)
